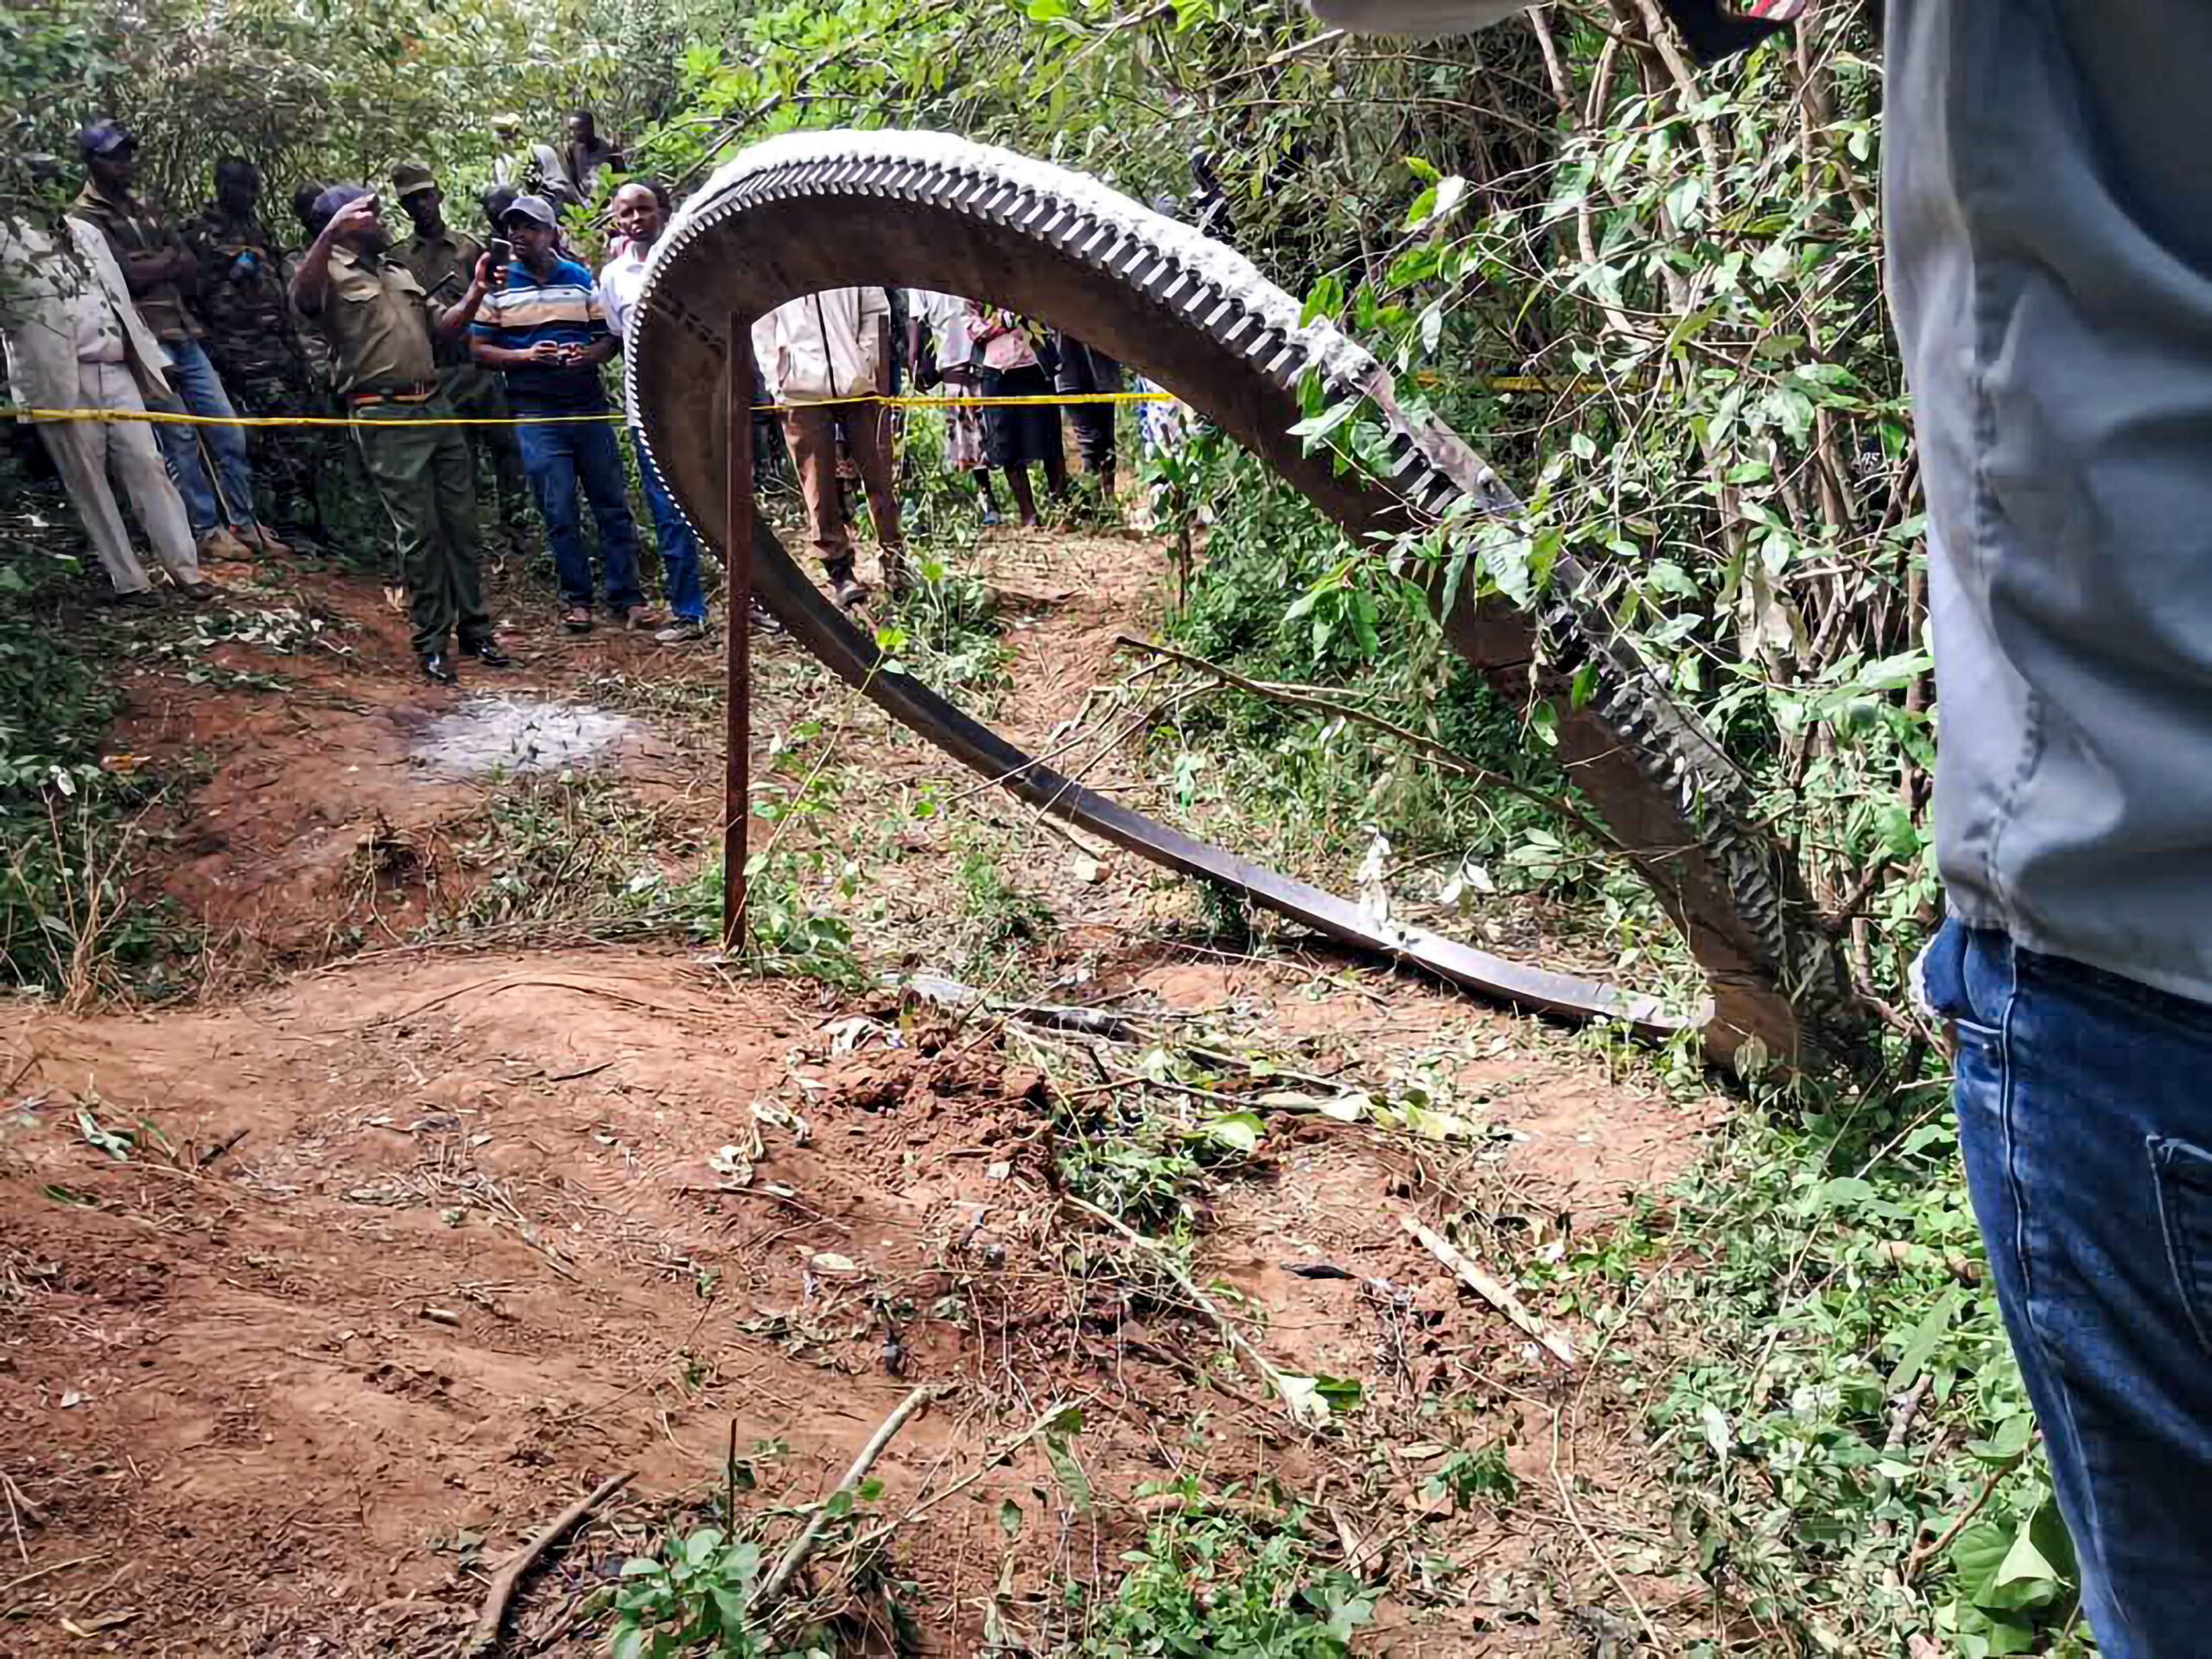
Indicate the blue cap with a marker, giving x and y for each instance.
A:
(103, 138)
(328, 204)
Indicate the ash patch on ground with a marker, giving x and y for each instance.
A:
(491, 733)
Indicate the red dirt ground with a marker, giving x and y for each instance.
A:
(431, 1242)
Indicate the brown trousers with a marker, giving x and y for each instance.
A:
(810, 431)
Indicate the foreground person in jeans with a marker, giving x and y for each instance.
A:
(2049, 221)
(543, 327)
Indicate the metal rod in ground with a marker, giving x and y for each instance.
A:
(737, 560)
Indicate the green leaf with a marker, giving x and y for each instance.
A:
(731, 1605)
(2024, 1563)
(1071, 1477)
(2011, 1439)
(840, 1503)
(2048, 1528)
(1009, 1518)
(1343, 1393)
(1239, 1131)
(1976, 1553)
(1934, 1326)
(1325, 299)
(1717, 1433)
(1842, 1192)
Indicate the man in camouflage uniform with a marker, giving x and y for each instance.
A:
(251, 337)
(444, 262)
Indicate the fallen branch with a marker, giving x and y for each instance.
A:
(512, 981)
(793, 1558)
(1489, 1289)
(1445, 757)
(485, 1636)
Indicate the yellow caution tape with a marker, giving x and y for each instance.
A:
(172, 417)
(1496, 383)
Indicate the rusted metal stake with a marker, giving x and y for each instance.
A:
(737, 560)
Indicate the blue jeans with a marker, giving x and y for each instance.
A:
(200, 391)
(2085, 1116)
(679, 548)
(558, 456)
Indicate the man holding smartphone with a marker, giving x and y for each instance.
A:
(380, 327)
(544, 328)
(444, 259)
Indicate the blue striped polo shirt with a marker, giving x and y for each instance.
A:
(561, 307)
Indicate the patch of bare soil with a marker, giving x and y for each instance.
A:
(427, 1247)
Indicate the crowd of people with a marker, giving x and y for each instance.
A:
(416, 339)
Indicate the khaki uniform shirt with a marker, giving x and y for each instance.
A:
(132, 228)
(445, 265)
(378, 322)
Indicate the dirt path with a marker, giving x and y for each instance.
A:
(319, 1298)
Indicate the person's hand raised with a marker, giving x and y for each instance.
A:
(356, 215)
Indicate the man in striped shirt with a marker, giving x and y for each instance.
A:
(542, 328)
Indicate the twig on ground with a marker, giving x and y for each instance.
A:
(15, 1520)
(222, 1147)
(794, 1557)
(49, 1571)
(1597, 1552)
(991, 1460)
(513, 981)
(1912, 1562)
(485, 1636)
(1489, 1290)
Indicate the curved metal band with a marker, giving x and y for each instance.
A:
(830, 210)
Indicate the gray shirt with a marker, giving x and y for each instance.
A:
(2048, 211)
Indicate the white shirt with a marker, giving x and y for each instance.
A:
(621, 279)
(821, 346)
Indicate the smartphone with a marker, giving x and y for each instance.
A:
(500, 249)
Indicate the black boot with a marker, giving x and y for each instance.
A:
(845, 586)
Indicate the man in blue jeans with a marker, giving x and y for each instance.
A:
(640, 213)
(542, 328)
(158, 266)
(2049, 221)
